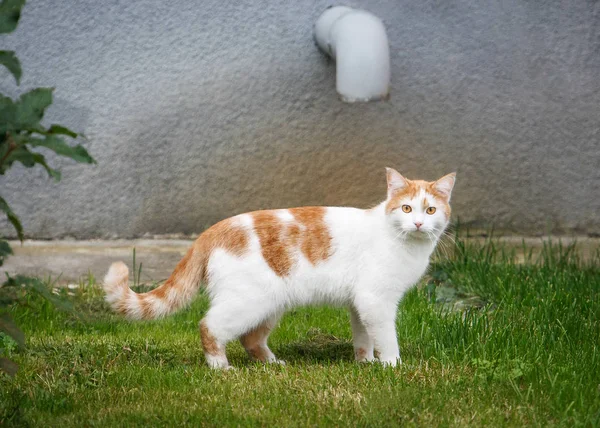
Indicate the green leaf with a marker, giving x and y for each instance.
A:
(8, 111)
(6, 301)
(12, 217)
(10, 61)
(8, 366)
(21, 154)
(61, 130)
(30, 159)
(4, 149)
(60, 147)
(8, 326)
(10, 12)
(5, 251)
(34, 284)
(53, 173)
(31, 107)
(39, 129)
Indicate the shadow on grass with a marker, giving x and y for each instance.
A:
(318, 347)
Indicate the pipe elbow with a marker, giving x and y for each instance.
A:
(358, 42)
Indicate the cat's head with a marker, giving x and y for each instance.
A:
(418, 209)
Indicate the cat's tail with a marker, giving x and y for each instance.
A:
(175, 293)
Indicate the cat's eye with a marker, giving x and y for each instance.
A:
(406, 208)
(430, 210)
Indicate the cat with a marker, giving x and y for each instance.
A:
(259, 264)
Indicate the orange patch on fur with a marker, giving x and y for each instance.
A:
(316, 240)
(273, 241)
(161, 292)
(361, 354)
(440, 197)
(226, 235)
(254, 342)
(412, 188)
(425, 204)
(191, 269)
(293, 234)
(122, 306)
(209, 343)
(145, 305)
(279, 238)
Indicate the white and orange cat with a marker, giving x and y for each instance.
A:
(255, 266)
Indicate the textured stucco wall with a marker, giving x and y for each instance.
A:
(199, 110)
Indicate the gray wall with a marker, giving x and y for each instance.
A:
(199, 110)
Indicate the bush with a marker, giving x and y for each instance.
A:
(21, 133)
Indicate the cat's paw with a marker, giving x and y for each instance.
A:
(222, 368)
(217, 362)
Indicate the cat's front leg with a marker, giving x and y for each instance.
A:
(386, 343)
(379, 319)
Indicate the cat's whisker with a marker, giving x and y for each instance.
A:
(432, 237)
(443, 248)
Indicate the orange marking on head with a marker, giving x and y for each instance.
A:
(273, 242)
(431, 189)
(316, 240)
(434, 192)
(411, 190)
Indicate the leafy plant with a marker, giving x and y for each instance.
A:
(21, 135)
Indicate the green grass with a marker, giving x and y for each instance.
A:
(527, 353)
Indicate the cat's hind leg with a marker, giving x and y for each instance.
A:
(363, 344)
(255, 341)
(230, 317)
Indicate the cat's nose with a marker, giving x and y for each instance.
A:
(418, 224)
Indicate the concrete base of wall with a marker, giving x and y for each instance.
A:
(74, 261)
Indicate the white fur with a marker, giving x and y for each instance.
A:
(284, 215)
(375, 258)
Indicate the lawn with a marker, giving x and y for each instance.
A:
(485, 341)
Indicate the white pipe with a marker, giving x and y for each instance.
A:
(357, 40)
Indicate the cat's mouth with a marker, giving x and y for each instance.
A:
(419, 234)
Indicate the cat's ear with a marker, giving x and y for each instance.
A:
(445, 184)
(395, 181)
